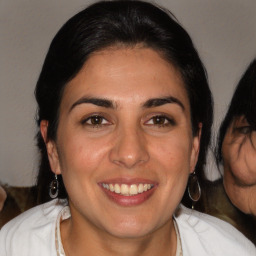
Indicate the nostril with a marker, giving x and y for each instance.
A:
(129, 148)
(129, 159)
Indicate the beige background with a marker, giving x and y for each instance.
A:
(224, 32)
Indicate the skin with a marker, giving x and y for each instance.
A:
(239, 154)
(127, 143)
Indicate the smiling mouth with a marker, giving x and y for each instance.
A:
(127, 190)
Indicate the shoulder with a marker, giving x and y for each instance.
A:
(32, 229)
(208, 235)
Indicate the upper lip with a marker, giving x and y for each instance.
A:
(128, 181)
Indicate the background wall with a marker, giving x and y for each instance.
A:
(224, 32)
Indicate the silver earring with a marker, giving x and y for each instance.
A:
(54, 187)
(194, 189)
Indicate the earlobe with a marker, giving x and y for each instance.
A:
(51, 148)
(195, 148)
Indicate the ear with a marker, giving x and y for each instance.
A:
(195, 148)
(51, 148)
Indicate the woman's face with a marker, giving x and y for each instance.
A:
(124, 142)
(239, 159)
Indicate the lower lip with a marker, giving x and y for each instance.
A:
(129, 200)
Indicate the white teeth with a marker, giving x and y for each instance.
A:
(128, 190)
(133, 189)
(117, 189)
(140, 188)
(111, 187)
(124, 189)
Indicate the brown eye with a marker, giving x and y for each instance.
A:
(95, 121)
(159, 120)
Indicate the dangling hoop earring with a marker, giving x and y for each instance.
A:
(54, 187)
(194, 188)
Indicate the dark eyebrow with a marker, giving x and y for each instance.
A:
(95, 101)
(156, 102)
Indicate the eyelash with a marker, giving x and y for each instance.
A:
(244, 129)
(97, 121)
(102, 121)
(165, 121)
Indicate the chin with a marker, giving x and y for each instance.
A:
(128, 229)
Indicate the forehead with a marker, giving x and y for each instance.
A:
(126, 75)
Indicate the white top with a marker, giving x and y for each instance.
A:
(36, 233)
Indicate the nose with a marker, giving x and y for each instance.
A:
(130, 148)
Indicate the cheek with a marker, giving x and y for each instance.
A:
(176, 148)
(173, 155)
(82, 155)
(244, 167)
(173, 162)
(230, 156)
(229, 187)
(239, 159)
(225, 152)
(80, 161)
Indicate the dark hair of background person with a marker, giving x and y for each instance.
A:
(124, 24)
(243, 103)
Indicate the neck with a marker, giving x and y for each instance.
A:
(85, 239)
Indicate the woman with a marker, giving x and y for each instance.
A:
(123, 108)
(235, 155)
(237, 144)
